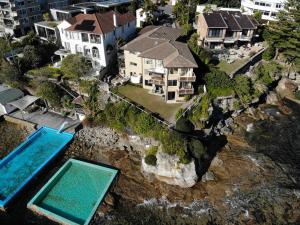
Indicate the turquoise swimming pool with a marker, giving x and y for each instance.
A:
(74, 193)
(21, 165)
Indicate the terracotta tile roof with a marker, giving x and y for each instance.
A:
(160, 43)
(99, 23)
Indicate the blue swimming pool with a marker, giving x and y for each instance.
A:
(29, 158)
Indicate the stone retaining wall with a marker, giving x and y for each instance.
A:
(19, 121)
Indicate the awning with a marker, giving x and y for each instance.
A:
(24, 102)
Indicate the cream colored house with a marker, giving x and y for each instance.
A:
(162, 64)
(225, 28)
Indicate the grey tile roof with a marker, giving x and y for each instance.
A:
(214, 20)
(233, 20)
(161, 43)
(9, 95)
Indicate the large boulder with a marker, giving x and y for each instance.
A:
(272, 98)
(286, 87)
(169, 170)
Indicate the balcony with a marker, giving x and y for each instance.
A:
(245, 38)
(187, 78)
(156, 82)
(186, 91)
(230, 39)
(214, 39)
(155, 76)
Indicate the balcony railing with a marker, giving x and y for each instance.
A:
(210, 38)
(156, 77)
(156, 82)
(188, 78)
(186, 91)
(245, 38)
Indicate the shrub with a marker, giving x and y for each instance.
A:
(174, 144)
(184, 125)
(152, 150)
(200, 112)
(187, 97)
(297, 94)
(144, 124)
(196, 148)
(85, 85)
(179, 113)
(218, 83)
(243, 88)
(150, 160)
(45, 72)
(269, 53)
(49, 92)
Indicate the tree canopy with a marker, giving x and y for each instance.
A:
(284, 34)
(50, 92)
(75, 66)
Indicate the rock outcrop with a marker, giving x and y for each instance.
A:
(169, 170)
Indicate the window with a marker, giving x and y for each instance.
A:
(95, 52)
(262, 4)
(159, 63)
(278, 5)
(266, 13)
(256, 3)
(172, 82)
(128, 24)
(273, 14)
(95, 38)
(215, 33)
(148, 83)
(173, 71)
(133, 64)
(84, 37)
(148, 61)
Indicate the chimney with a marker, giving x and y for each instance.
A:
(115, 19)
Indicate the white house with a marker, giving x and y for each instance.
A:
(269, 8)
(142, 16)
(95, 36)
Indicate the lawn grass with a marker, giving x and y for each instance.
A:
(151, 102)
(229, 68)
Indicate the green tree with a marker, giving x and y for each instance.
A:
(50, 93)
(257, 15)
(75, 66)
(10, 74)
(32, 58)
(218, 83)
(284, 34)
(184, 125)
(133, 6)
(202, 54)
(243, 88)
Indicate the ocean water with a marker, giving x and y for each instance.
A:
(75, 194)
(33, 154)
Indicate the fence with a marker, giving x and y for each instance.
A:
(252, 61)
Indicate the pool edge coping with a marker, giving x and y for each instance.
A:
(60, 219)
